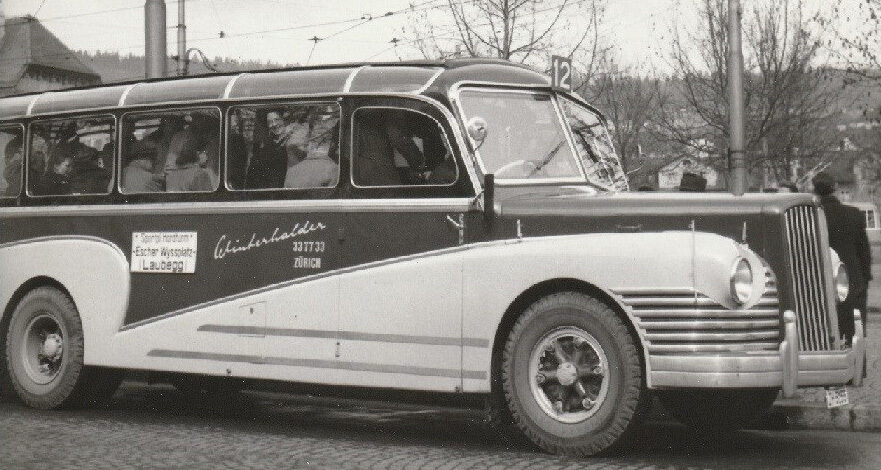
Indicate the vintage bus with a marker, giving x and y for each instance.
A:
(455, 227)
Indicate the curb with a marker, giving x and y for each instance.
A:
(812, 415)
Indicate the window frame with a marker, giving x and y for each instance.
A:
(252, 105)
(24, 146)
(221, 151)
(352, 158)
(114, 138)
(456, 94)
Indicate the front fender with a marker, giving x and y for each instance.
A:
(496, 273)
(94, 272)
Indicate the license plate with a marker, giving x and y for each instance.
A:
(836, 396)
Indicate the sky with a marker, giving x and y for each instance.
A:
(280, 30)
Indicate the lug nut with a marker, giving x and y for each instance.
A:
(587, 403)
(540, 378)
(597, 370)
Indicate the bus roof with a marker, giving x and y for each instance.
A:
(416, 77)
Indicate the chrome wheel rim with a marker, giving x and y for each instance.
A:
(568, 374)
(42, 352)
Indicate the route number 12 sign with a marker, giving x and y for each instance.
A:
(561, 73)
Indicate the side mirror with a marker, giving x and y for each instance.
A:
(477, 129)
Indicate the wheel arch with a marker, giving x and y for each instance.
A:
(22, 290)
(542, 289)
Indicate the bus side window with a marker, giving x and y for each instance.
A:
(283, 146)
(171, 151)
(71, 156)
(398, 147)
(12, 143)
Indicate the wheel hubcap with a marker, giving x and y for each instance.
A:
(568, 369)
(43, 351)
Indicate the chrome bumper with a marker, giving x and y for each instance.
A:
(787, 368)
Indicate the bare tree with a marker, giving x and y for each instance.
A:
(630, 103)
(524, 31)
(788, 102)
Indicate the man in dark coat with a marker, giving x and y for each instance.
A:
(847, 236)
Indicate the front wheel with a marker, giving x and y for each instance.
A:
(572, 376)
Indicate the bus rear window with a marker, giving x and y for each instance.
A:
(11, 142)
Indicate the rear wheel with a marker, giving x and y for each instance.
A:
(44, 349)
(717, 411)
(572, 376)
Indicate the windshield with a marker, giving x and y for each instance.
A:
(594, 146)
(525, 139)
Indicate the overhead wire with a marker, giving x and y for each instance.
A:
(452, 30)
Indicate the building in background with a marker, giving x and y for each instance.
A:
(33, 59)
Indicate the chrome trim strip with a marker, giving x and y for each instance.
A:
(625, 291)
(33, 102)
(64, 238)
(321, 364)
(125, 94)
(789, 354)
(430, 81)
(351, 78)
(234, 207)
(231, 83)
(744, 323)
(347, 335)
(859, 348)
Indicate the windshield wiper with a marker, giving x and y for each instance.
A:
(547, 159)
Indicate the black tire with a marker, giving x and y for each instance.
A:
(718, 411)
(603, 427)
(7, 392)
(63, 385)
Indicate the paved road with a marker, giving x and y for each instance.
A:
(155, 427)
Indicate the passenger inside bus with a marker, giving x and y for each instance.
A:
(291, 147)
(12, 168)
(75, 165)
(191, 162)
(174, 152)
(399, 147)
(138, 175)
(57, 180)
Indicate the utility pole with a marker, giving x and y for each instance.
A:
(154, 32)
(736, 163)
(183, 61)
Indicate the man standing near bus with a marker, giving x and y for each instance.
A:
(847, 236)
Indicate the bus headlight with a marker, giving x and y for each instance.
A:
(842, 282)
(839, 275)
(741, 281)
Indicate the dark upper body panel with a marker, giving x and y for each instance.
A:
(549, 210)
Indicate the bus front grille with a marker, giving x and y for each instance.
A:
(808, 283)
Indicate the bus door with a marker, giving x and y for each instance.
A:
(401, 303)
